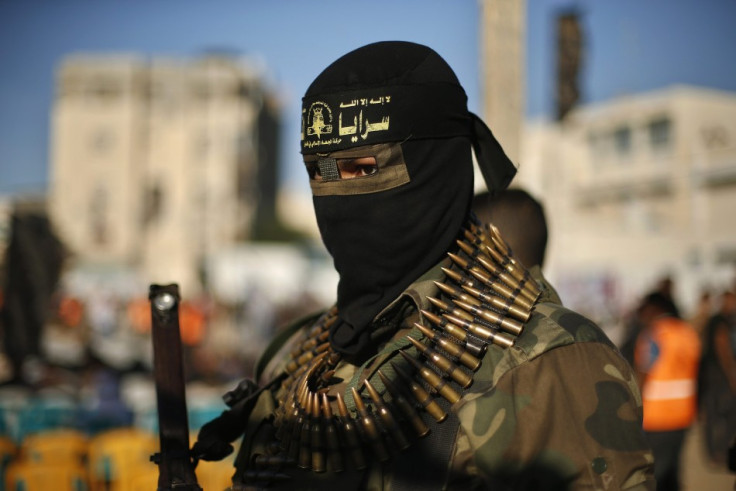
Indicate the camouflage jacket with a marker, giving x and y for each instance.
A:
(560, 409)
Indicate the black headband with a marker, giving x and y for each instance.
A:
(335, 121)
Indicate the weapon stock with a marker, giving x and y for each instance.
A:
(175, 466)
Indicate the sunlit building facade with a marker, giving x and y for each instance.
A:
(158, 163)
(638, 188)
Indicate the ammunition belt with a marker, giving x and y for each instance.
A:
(487, 298)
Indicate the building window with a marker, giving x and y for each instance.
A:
(600, 144)
(105, 90)
(622, 140)
(660, 133)
(152, 204)
(101, 141)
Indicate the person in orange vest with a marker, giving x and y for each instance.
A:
(666, 360)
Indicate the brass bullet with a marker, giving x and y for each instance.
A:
(333, 444)
(310, 343)
(291, 367)
(350, 434)
(404, 406)
(508, 325)
(479, 330)
(508, 262)
(463, 263)
(305, 433)
(290, 416)
(478, 309)
(443, 363)
(523, 286)
(495, 301)
(317, 443)
(433, 380)
(482, 332)
(327, 376)
(460, 278)
(450, 290)
(498, 241)
(476, 347)
(457, 293)
(291, 441)
(472, 252)
(455, 331)
(422, 396)
(455, 350)
(475, 236)
(370, 428)
(500, 289)
(387, 417)
(447, 307)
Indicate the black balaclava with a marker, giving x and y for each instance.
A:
(382, 240)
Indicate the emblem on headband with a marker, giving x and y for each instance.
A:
(356, 120)
(319, 119)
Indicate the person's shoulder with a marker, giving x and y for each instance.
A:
(551, 325)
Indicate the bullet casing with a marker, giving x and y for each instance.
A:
(482, 332)
(370, 428)
(444, 364)
(433, 380)
(409, 411)
(334, 455)
(350, 434)
(422, 396)
(492, 317)
(455, 350)
(387, 417)
(316, 440)
(497, 302)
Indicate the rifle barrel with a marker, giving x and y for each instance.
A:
(176, 469)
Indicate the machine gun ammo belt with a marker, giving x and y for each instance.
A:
(485, 298)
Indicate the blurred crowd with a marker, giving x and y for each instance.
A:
(96, 353)
(686, 369)
(90, 372)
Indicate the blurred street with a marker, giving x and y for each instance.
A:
(699, 475)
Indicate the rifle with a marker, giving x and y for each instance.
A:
(175, 465)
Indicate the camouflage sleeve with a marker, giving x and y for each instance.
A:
(569, 417)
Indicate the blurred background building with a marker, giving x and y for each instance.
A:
(158, 164)
(638, 188)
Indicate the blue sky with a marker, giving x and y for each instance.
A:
(631, 46)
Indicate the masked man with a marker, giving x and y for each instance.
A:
(443, 364)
